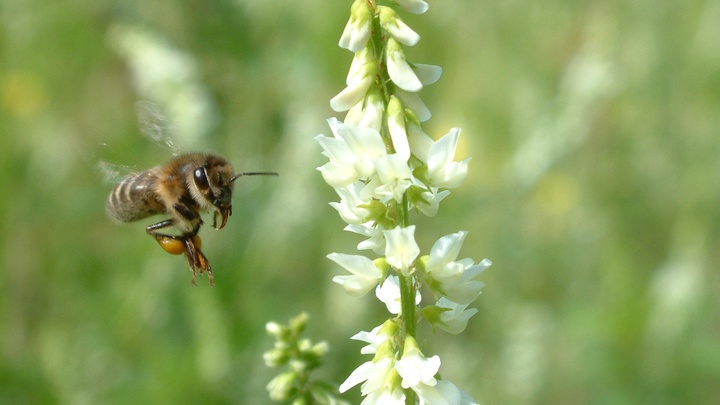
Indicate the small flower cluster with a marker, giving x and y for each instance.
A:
(383, 166)
(301, 357)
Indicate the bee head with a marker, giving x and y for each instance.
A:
(214, 181)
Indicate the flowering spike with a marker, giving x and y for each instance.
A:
(384, 168)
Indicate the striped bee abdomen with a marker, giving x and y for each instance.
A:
(135, 198)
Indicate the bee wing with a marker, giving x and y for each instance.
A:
(113, 173)
(155, 125)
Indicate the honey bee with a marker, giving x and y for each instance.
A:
(182, 188)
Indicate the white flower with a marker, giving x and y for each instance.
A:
(412, 101)
(427, 74)
(456, 278)
(413, 6)
(365, 274)
(444, 252)
(351, 153)
(394, 176)
(414, 368)
(398, 68)
(389, 293)
(401, 250)
(375, 241)
(352, 94)
(432, 202)
(374, 373)
(358, 28)
(467, 289)
(360, 76)
(442, 170)
(385, 397)
(396, 27)
(419, 142)
(368, 113)
(396, 127)
(349, 205)
(443, 393)
(374, 338)
(455, 320)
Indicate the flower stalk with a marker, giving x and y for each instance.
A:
(385, 168)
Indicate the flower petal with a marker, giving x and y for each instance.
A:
(357, 30)
(351, 95)
(413, 6)
(401, 250)
(365, 274)
(442, 170)
(428, 74)
(445, 250)
(396, 27)
(398, 68)
(396, 127)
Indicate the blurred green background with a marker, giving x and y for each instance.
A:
(593, 128)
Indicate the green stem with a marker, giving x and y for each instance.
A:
(407, 302)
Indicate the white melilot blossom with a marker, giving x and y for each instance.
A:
(456, 278)
(443, 393)
(392, 23)
(373, 373)
(455, 320)
(385, 397)
(360, 76)
(427, 74)
(358, 28)
(394, 176)
(413, 6)
(444, 251)
(349, 206)
(389, 293)
(413, 102)
(396, 127)
(385, 168)
(374, 338)
(442, 170)
(375, 241)
(351, 152)
(432, 202)
(419, 142)
(401, 250)
(352, 94)
(414, 367)
(467, 288)
(365, 274)
(399, 69)
(368, 113)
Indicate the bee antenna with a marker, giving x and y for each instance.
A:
(252, 174)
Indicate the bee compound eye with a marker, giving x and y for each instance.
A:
(201, 179)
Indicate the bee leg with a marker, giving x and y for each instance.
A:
(197, 260)
(195, 257)
(182, 208)
(160, 225)
(162, 238)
